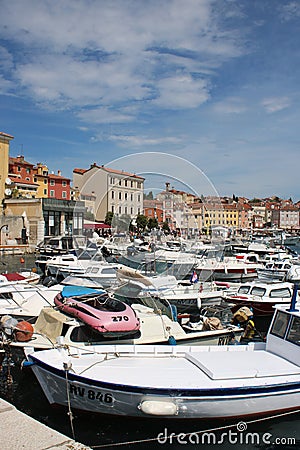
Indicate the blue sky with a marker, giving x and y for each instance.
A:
(213, 83)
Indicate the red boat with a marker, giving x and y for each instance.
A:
(94, 307)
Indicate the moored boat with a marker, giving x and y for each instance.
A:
(98, 310)
(179, 382)
(261, 297)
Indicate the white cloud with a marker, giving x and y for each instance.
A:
(230, 106)
(99, 53)
(181, 92)
(138, 141)
(290, 10)
(276, 104)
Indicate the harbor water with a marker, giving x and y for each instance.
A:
(111, 432)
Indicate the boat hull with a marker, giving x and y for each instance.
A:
(172, 382)
(97, 398)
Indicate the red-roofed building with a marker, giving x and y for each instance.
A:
(58, 187)
(21, 175)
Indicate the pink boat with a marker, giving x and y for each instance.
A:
(94, 307)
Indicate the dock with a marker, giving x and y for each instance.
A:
(19, 431)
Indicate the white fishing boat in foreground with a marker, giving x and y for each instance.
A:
(179, 382)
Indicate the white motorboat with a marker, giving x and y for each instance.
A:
(275, 270)
(227, 269)
(158, 325)
(24, 301)
(178, 382)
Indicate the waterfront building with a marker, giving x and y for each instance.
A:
(153, 209)
(4, 156)
(286, 217)
(116, 191)
(58, 186)
(40, 177)
(21, 176)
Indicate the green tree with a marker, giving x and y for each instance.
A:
(109, 217)
(148, 196)
(141, 222)
(152, 223)
(88, 215)
(165, 227)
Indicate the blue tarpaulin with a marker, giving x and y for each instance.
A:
(75, 291)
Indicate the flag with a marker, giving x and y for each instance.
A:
(194, 277)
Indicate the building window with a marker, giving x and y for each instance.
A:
(19, 169)
(64, 194)
(45, 181)
(112, 209)
(139, 185)
(51, 193)
(64, 183)
(112, 180)
(139, 198)
(131, 210)
(27, 170)
(125, 183)
(35, 180)
(120, 209)
(120, 195)
(45, 191)
(52, 183)
(125, 210)
(112, 194)
(131, 197)
(120, 182)
(126, 195)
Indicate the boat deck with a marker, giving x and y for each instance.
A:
(178, 368)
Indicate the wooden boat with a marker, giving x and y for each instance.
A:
(98, 310)
(179, 381)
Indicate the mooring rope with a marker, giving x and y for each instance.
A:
(209, 430)
(70, 414)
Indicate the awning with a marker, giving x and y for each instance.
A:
(88, 225)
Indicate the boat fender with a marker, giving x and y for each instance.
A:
(27, 364)
(158, 408)
(23, 331)
(172, 340)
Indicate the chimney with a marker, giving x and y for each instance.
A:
(59, 173)
(167, 187)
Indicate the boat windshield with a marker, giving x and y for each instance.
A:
(286, 327)
(280, 324)
(294, 331)
(132, 293)
(283, 292)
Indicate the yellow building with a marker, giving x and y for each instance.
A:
(41, 178)
(4, 155)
